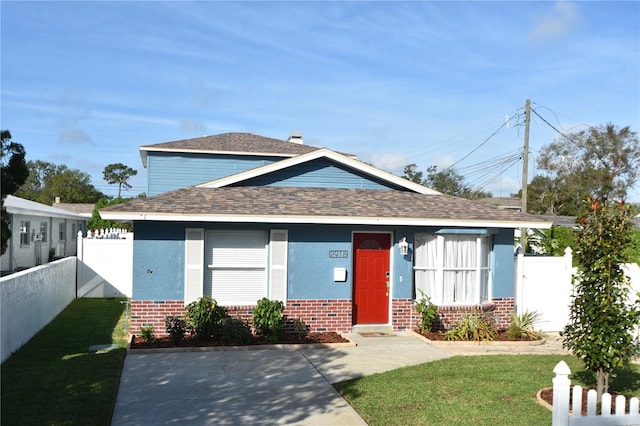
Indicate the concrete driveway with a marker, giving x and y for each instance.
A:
(257, 387)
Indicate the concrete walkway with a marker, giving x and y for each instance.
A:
(266, 386)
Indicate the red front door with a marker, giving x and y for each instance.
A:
(371, 278)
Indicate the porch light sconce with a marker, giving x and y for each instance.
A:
(403, 245)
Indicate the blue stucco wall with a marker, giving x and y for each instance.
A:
(158, 271)
(320, 173)
(169, 171)
(158, 261)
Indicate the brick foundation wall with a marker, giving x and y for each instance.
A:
(321, 314)
(153, 312)
(404, 315)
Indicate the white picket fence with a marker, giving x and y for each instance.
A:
(564, 415)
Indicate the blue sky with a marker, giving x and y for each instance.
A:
(86, 83)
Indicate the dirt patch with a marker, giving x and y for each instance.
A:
(138, 342)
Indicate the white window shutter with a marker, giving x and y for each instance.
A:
(278, 264)
(194, 264)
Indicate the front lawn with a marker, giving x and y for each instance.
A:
(469, 390)
(54, 380)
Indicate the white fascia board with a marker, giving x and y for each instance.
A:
(313, 155)
(39, 213)
(330, 220)
(144, 150)
(20, 206)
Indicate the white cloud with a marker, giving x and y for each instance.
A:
(442, 161)
(556, 22)
(393, 163)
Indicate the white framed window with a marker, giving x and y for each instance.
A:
(43, 231)
(453, 269)
(236, 264)
(62, 231)
(74, 231)
(25, 230)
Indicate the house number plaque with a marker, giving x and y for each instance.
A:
(338, 254)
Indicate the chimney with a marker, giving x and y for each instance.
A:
(296, 137)
(57, 200)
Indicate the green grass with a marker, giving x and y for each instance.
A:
(53, 380)
(471, 390)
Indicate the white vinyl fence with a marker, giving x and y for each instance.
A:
(105, 264)
(30, 299)
(565, 415)
(544, 284)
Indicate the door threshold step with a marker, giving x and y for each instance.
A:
(373, 330)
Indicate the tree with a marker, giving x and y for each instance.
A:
(97, 222)
(48, 180)
(120, 174)
(601, 318)
(601, 163)
(14, 174)
(411, 174)
(447, 181)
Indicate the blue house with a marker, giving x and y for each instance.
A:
(239, 217)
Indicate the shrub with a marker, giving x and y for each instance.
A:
(234, 330)
(147, 334)
(522, 326)
(205, 317)
(268, 320)
(473, 326)
(428, 312)
(300, 329)
(176, 327)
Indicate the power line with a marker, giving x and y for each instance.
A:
(552, 126)
(483, 142)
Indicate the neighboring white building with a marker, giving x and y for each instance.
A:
(35, 230)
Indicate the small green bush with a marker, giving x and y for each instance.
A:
(176, 327)
(523, 326)
(300, 329)
(235, 331)
(428, 312)
(205, 317)
(474, 326)
(147, 334)
(268, 319)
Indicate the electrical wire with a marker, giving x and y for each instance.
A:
(552, 126)
(483, 142)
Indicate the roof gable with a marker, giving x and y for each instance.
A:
(323, 153)
(230, 143)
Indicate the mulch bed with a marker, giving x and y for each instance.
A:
(137, 342)
(547, 396)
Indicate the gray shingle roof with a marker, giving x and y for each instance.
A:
(283, 202)
(234, 142)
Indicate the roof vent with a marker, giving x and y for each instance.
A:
(296, 137)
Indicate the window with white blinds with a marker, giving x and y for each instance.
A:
(236, 266)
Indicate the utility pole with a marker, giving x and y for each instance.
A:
(525, 170)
